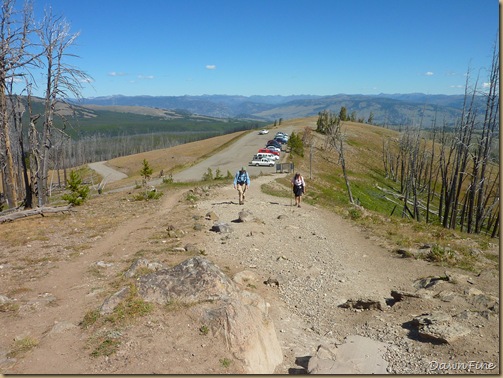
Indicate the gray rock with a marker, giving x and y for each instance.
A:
(365, 304)
(400, 295)
(457, 278)
(431, 318)
(358, 355)
(221, 227)
(446, 296)
(446, 333)
(439, 326)
(429, 282)
(245, 216)
(484, 302)
(191, 248)
(192, 281)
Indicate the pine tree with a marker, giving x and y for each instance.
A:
(78, 192)
(146, 171)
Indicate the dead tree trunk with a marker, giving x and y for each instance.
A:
(29, 213)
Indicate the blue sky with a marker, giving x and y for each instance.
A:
(279, 47)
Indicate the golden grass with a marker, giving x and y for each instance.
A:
(169, 159)
(22, 345)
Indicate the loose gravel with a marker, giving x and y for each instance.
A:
(314, 261)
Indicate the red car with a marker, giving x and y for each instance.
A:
(268, 151)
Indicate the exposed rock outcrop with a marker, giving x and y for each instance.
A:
(238, 316)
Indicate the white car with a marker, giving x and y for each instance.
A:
(274, 148)
(263, 155)
(262, 162)
(263, 132)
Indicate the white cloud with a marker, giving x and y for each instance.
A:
(211, 67)
(15, 80)
(486, 85)
(113, 73)
(457, 86)
(429, 73)
(145, 77)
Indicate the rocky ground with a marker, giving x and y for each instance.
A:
(327, 282)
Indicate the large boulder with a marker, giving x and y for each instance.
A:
(194, 280)
(240, 317)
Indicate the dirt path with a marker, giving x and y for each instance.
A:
(72, 291)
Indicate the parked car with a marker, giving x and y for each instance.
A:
(268, 151)
(274, 143)
(274, 148)
(282, 134)
(281, 140)
(265, 155)
(263, 132)
(262, 162)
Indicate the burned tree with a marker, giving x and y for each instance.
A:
(61, 81)
(457, 169)
(20, 55)
(16, 57)
(330, 125)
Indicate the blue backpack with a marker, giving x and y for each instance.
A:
(242, 178)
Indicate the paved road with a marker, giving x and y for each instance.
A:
(109, 174)
(231, 159)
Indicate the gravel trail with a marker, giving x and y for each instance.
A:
(320, 261)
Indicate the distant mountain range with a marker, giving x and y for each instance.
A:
(386, 109)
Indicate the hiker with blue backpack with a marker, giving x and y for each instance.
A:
(241, 183)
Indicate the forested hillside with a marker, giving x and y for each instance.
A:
(95, 133)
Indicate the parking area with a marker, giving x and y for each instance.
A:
(237, 155)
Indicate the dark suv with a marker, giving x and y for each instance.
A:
(274, 143)
(281, 139)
